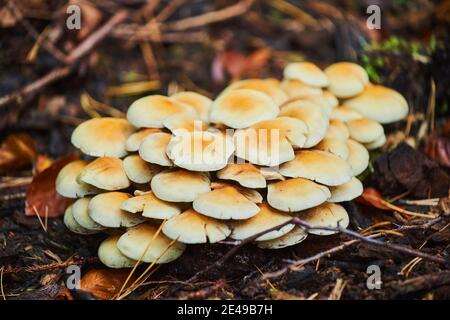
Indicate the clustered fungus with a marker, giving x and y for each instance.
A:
(186, 169)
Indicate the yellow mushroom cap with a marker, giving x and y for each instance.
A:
(193, 227)
(378, 143)
(347, 191)
(333, 102)
(358, 157)
(345, 114)
(295, 88)
(143, 242)
(73, 225)
(346, 79)
(242, 108)
(81, 215)
(293, 237)
(320, 166)
(266, 219)
(246, 174)
(105, 173)
(153, 149)
(184, 122)
(296, 194)
(103, 137)
(135, 139)
(110, 255)
(67, 183)
(337, 130)
(201, 103)
(379, 103)
(151, 206)
(180, 185)
(151, 111)
(139, 171)
(365, 130)
(306, 72)
(330, 215)
(271, 87)
(334, 146)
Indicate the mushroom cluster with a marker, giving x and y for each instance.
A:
(185, 169)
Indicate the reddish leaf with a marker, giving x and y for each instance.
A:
(257, 60)
(234, 63)
(41, 194)
(42, 162)
(372, 197)
(16, 152)
(105, 283)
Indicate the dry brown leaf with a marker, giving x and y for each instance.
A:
(42, 197)
(372, 197)
(16, 152)
(104, 283)
(41, 163)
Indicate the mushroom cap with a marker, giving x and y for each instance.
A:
(180, 185)
(81, 215)
(105, 209)
(335, 146)
(103, 137)
(267, 86)
(296, 194)
(201, 103)
(295, 88)
(139, 171)
(150, 111)
(330, 98)
(72, 225)
(293, 129)
(67, 183)
(193, 227)
(150, 206)
(320, 101)
(337, 130)
(378, 143)
(365, 130)
(105, 173)
(135, 139)
(380, 104)
(330, 215)
(347, 191)
(312, 115)
(184, 122)
(144, 243)
(242, 108)
(153, 149)
(358, 157)
(345, 114)
(110, 255)
(267, 218)
(306, 72)
(320, 166)
(200, 151)
(346, 79)
(246, 174)
(293, 237)
(225, 203)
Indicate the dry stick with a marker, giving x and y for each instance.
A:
(52, 266)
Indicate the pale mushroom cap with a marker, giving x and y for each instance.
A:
(378, 143)
(380, 104)
(193, 227)
(337, 130)
(347, 191)
(150, 111)
(81, 215)
(144, 243)
(312, 115)
(267, 86)
(67, 183)
(184, 122)
(110, 255)
(242, 108)
(358, 157)
(139, 171)
(329, 215)
(335, 146)
(135, 140)
(151, 206)
(105, 173)
(293, 237)
(331, 99)
(306, 72)
(296, 194)
(320, 166)
(200, 151)
(180, 185)
(319, 101)
(346, 79)
(201, 103)
(103, 137)
(225, 203)
(153, 149)
(246, 174)
(105, 210)
(345, 114)
(295, 88)
(365, 130)
(74, 226)
(291, 128)
(267, 218)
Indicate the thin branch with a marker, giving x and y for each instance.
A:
(51, 266)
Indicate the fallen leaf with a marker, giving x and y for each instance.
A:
(41, 194)
(16, 152)
(232, 62)
(257, 60)
(7, 19)
(372, 197)
(41, 163)
(105, 283)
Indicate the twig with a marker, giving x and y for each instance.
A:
(51, 266)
